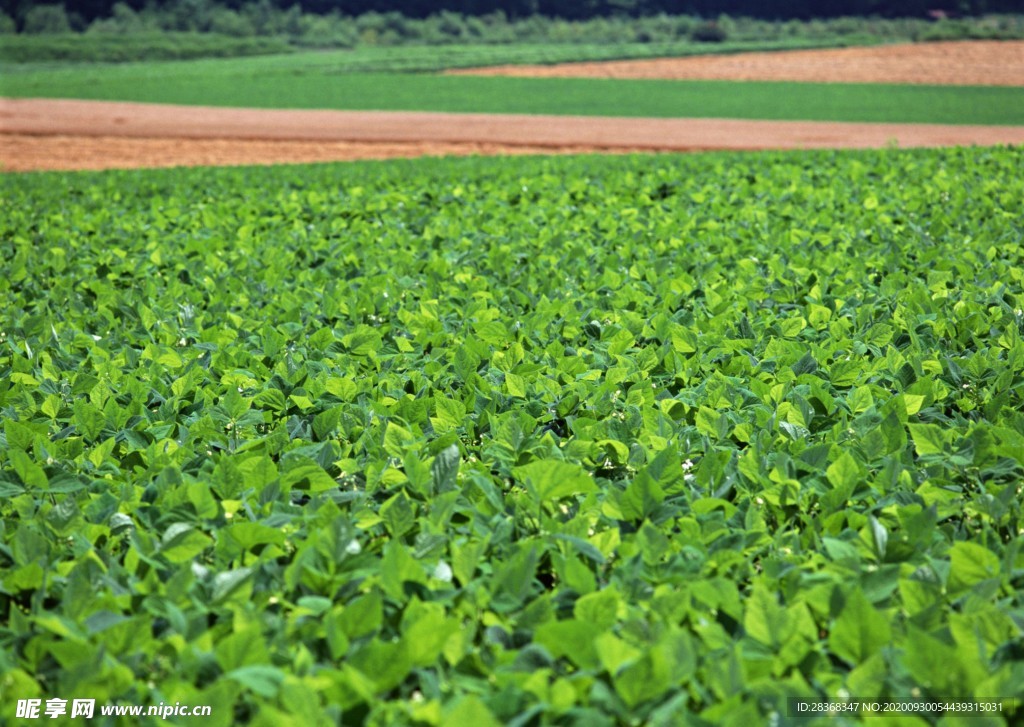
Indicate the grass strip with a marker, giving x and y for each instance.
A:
(226, 84)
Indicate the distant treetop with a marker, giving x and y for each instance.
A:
(89, 10)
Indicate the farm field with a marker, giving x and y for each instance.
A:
(60, 135)
(584, 440)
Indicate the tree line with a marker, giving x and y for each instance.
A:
(88, 10)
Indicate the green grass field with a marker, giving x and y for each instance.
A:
(324, 81)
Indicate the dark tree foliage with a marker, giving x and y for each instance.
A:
(88, 10)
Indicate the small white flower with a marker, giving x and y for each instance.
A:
(354, 548)
(443, 572)
(687, 465)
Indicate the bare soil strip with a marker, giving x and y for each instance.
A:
(972, 63)
(25, 153)
(38, 134)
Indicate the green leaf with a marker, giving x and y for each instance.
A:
(386, 663)
(241, 648)
(806, 365)
(363, 616)
(879, 537)
(599, 609)
(449, 414)
(326, 422)
(555, 479)
(709, 422)
(304, 474)
(573, 639)
(398, 567)
(397, 439)
(469, 711)
(248, 535)
(844, 474)
(29, 472)
(445, 468)
(641, 498)
(613, 652)
(970, 564)
(18, 435)
(399, 515)
(513, 579)
(859, 631)
(261, 679)
(644, 679)
(765, 620)
(182, 542)
(929, 438)
(230, 583)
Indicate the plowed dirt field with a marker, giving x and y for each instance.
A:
(970, 63)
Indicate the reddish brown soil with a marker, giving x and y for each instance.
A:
(24, 152)
(40, 134)
(975, 63)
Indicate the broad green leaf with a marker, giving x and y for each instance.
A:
(182, 542)
(600, 609)
(399, 515)
(844, 473)
(572, 639)
(30, 473)
(247, 535)
(445, 468)
(303, 474)
(970, 564)
(765, 620)
(397, 439)
(469, 711)
(613, 652)
(859, 631)
(555, 479)
(929, 438)
(261, 679)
